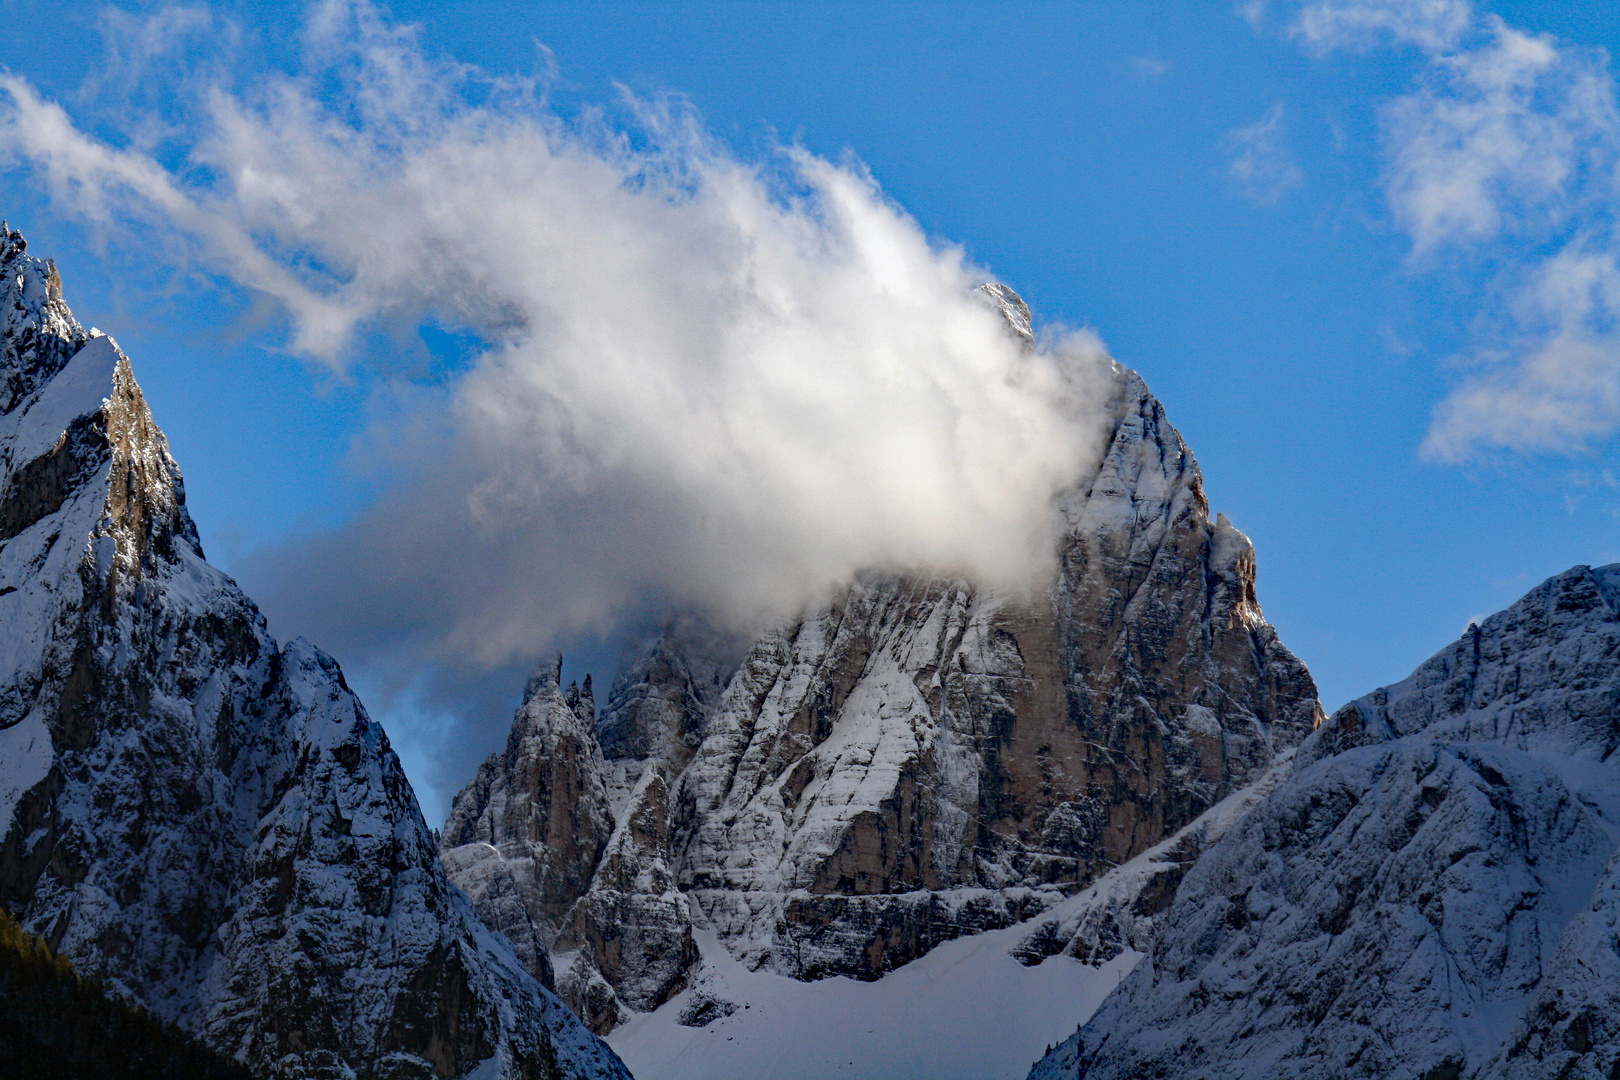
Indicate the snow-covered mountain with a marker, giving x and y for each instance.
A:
(922, 831)
(206, 822)
(917, 761)
(1431, 893)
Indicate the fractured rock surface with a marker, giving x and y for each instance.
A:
(525, 836)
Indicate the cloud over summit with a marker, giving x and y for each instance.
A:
(730, 384)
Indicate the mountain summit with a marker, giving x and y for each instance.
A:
(918, 760)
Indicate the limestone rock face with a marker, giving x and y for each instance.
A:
(205, 821)
(1124, 908)
(534, 840)
(922, 759)
(525, 836)
(657, 709)
(1430, 893)
(634, 925)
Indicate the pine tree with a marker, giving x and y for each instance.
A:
(56, 1024)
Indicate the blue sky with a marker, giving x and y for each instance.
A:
(1363, 252)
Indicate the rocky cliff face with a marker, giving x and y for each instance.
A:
(924, 758)
(524, 837)
(1430, 894)
(205, 821)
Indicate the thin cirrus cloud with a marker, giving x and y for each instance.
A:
(1262, 165)
(1504, 158)
(733, 384)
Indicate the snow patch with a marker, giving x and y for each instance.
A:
(1202, 721)
(25, 759)
(77, 390)
(965, 1011)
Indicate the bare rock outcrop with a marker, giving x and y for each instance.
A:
(1571, 1029)
(524, 838)
(634, 924)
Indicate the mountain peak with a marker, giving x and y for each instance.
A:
(1442, 851)
(916, 760)
(1012, 308)
(38, 334)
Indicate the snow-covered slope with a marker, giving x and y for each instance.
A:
(208, 823)
(921, 759)
(1430, 894)
(966, 1011)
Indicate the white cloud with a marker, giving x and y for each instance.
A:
(1562, 389)
(1504, 160)
(1507, 156)
(135, 43)
(732, 384)
(1252, 12)
(1502, 138)
(1261, 162)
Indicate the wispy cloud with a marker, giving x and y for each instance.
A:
(1252, 12)
(1560, 389)
(134, 43)
(1508, 136)
(1433, 25)
(735, 383)
(1505, 159)
(1262, 164)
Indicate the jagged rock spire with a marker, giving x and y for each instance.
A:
(526, 835)
(38, 334)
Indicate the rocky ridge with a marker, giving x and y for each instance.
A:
(922, 758)
(207, 823)
(1431, 893)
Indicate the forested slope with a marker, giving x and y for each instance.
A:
(53, 1023)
